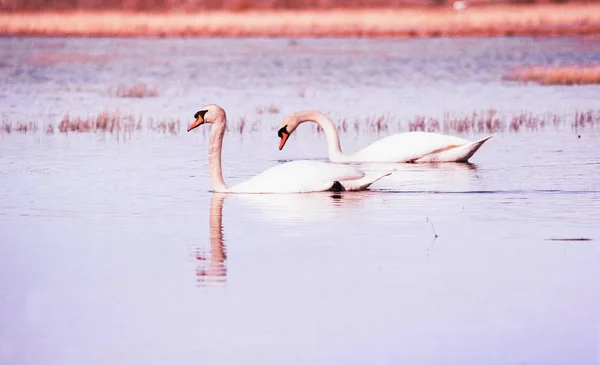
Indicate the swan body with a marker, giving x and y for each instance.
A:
(306, 176)
(417, 147)
(401, 147)
(291, 177)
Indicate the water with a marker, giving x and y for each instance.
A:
(114, 250)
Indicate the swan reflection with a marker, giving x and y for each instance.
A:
(302, 208)
(212, 267)
(435, 177)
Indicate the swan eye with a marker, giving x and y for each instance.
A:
(200, 113)
(281, 131)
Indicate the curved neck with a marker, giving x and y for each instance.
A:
(214, 155)
(331, 134)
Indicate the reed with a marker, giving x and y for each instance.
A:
(7, 127)
(586, 119)
(241, 124)
(492, 20)
(565, 75)
(271, 109)
(477, 122)
(139, 90)
(491, 122)
(103, 122)
(162, 125)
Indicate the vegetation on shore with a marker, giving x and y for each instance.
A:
(242, 5)
(486, 121)
(492, 20)
(139, 90)
(566, 75)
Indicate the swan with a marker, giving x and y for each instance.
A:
(291, 177)
(400, 147)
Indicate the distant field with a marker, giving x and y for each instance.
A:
(565, 75)
(493, 20)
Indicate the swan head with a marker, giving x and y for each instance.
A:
(283, 135)
(210, 113)
(290, 123)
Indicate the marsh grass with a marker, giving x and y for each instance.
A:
(586, 119)
(114, 122)
(103, 122)
(18, 127)
(491, 121)
(494, 20)
(271, 109)
(477, 122)
(139, 90)
(565, 75)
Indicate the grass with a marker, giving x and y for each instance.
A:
(477, 122)
(104, 122)
(18, 127)
(272, 109)
(565, 75)
(139, 90)
(491, 121)
(490, 20)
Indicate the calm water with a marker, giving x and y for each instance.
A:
(113, 250)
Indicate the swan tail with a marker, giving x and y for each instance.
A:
(454, 153)
(364, 182)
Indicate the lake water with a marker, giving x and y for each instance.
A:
(114, 250)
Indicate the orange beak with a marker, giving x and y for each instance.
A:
(284, 138)
(198, 122)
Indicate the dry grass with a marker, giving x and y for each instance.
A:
(104, 121)
(477, 122)
(492, 20)
(18, 127)
(272, 109)
(113, 122)
(233, 5)
(139, 90)
(492, 122)
(566, 75)
(586, 119)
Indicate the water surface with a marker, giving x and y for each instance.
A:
(114, 250)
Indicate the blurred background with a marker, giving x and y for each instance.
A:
(239, 5)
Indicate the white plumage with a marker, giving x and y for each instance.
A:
(290, 177)
(400, 147)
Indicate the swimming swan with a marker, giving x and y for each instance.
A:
(400, 147)
(289, 177)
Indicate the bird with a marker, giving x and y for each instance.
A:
(301, 176)
(413, 146)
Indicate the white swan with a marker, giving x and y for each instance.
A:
(400, 147)
(289, 177)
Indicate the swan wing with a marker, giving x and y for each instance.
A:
(454, 154)
(298, 177)
(408, 147)
(364, 182)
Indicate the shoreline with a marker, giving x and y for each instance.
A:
(482, 21)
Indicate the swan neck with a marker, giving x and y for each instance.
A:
(217, 130)
(332, 137)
